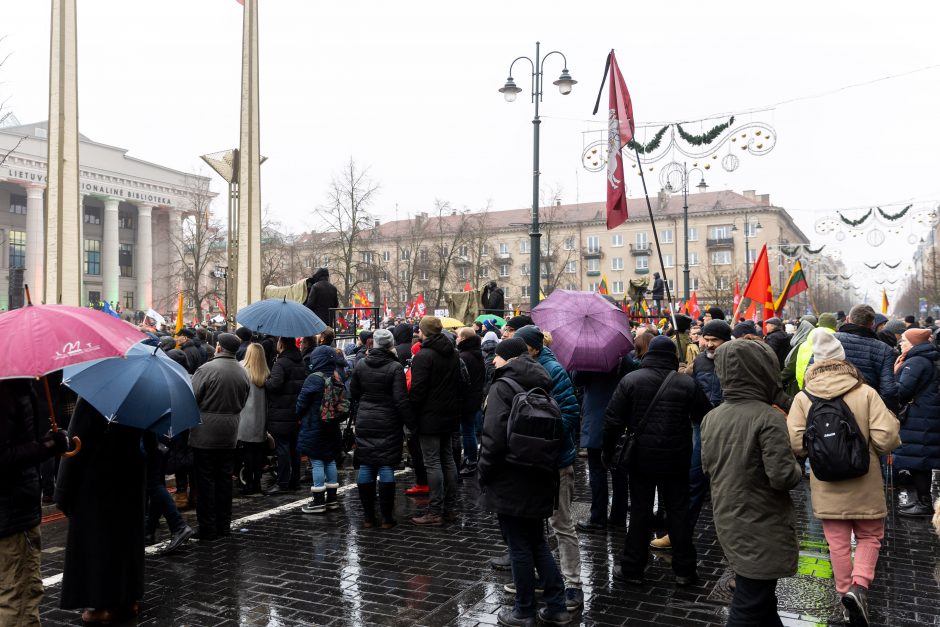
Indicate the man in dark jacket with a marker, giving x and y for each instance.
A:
(777, 339)
(244, 334)
(493, 299)
(403, 334)
(436, 398)
(221, 387)
(322, 295)
(521, 497)
(468, 347)
(873, 358)
(891, 333)
(20, 509)
(658, 292)
(662, 459)
(194, 357)
(281, 389)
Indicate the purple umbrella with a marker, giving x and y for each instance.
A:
(588, 332)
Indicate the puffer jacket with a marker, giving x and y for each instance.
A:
(873, 358)
(435, 382)
(506, 488)
(665, 446)
(321, 295)
(564, 394)
(920, 433)
(378, 385)
(403, 334)
(221, 387)
(746, 453)
(862, 497)
(703, 371)
(471, 355)
(281, 389)
(317, 439)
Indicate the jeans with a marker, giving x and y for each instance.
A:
(324, 473)
(214, 484)
(699, 487)
(288, 460)
(367, 474)
(754, 603)
(159, 501)
(529, 552)
(563, 526)
(20, 582)
(442, 473)
(597, 475)
(674, 498)
(868, 534)
(417, 459)
(468, 430)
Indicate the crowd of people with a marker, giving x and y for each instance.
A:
(705, 409)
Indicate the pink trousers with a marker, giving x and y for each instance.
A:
(868, 535)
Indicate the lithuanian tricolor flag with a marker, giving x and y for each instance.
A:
(602, 288)
(884, 301)
(795, 285)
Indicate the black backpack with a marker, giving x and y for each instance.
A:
(535, 431)
(836, 448)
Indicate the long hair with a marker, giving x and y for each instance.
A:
(256, 364)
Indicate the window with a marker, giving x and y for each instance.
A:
(693, 259)
(665, 236)
(693, 234)
(403, 275)
(404, 254)
(94, 298)
(326, 261)
(616, 263)
(617, 287)
(642, 241)
(462, 273)
(672, 286)
(593, 265)
(642, 263)
(693, 283)
(126, 260)
(308, 262)
(423, 254)
(524, 294)
(723, 282)
(524, 246)
(128, 300)
(750, 229)
(367, 257)
(504, 270)
(93, 256)
(18, 204)
(571, 267)
(423, 275)
(721, 258)
(485, 250)
(616, 239)
(571, 287)
(720, 232)
(592, 287)
(569, 243)
(18, 249)
(668, 261)
(593, 244)
(445, 251)
(524, 268)
(385, 276)
(503, 248)
(92, 215)
(462, 251)
(484, 272)
(386, 256)
(752, 254)
(125, 220)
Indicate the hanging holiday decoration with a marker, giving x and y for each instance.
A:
(707, 138)
(846, 277)
(892, 267)
(894, 217)
(789, 251)
(651, 146)
(876, 237)
(867, 265)
(857, 222)
(809, 250)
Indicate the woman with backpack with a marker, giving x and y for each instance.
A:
(848, 506)
(320, 440)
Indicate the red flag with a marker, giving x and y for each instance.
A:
(466, 287)
(388, 312)
(758, 286)
(737, 294)
(221, 306)
(692, 307)
(619, 134)
(751, 313)
(420, 308)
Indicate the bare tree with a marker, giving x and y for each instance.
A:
(716, 286)
(447, 235)
(477, 240)
(5, 115)
(274, 251)
(410, 249)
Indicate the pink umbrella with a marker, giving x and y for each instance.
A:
(588, 332)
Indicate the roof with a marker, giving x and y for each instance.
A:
(30, 130)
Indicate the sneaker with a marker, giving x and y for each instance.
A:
(418, 489)
(549, 617)
(428, 520)
(508, 618)
(574, 599)
(856, 602)
(502, 562)
(510, 588)
(661, 544)
(916, 509)
(180, 538)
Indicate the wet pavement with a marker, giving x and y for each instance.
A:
(283, 568)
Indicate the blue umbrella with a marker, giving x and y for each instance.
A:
(280, 317)
(146, 389)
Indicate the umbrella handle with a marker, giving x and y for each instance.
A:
(76, 447)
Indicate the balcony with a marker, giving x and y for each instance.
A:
(720, 242)
(462, 261)
(593, 273)
(592, 253)
(640, 249)
(642, 270)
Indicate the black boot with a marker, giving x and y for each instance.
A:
(367, 498)
(387, 504)
(331, 500)
(920, 507)
(317, 504)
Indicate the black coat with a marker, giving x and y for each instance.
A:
(495, 301)
(472, 356)
(780, 342)
(665, 446)
(194, 357)
(435, 381)
(322, 295)
(658, 288)
(403, 334)
(378, 384)
(506, 488)
(102, 491)
(920, 433)
(281, 389)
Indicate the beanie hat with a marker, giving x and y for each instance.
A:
(663, 344)
(828, 321)
(744, 328)
(508, 349)
(683, 323)
(910, 319)
(840, 315)
(715, 313)
(880, 319)
(895, 326)
(365, 336)
(430, 325)
(531, 335)
(917, 336)
(811, 319)
(383, 338)
(243, 333)
(229, 342)
(826, 346)
(517, 322)
(717, 328)
(167, 343)
(190, 333)
(489, 325)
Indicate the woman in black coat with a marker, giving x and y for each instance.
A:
(378, 385)
(281, 389)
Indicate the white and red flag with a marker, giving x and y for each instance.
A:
(620, 128)
(420, 308)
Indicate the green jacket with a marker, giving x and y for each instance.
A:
(803, 355)
(746, 454)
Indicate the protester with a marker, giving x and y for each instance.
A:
(792, 365)
(658, 292)
(514, 324)
(252, 434)
(185, 343)
(746, 456)
(471, 414)
(493, 299)
(159, 502)
(488, 348)
(244, 334)
(713, 313)
(378, 384)
(281, 390)
(746, 327)
(891, 333)
(910, 321)
(521, 497)
(851, 507)
(403, 334)
(682, 338)
(221, 387)
(661, 417)
(872, 358)
(322, 296)
(777, 339)
(321, 441)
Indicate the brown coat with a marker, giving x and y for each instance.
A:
(862, 497)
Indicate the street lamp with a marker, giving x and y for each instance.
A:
(702, 186)
(221, 273)
(747, 236)
(510, 90)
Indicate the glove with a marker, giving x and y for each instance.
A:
(56, 441)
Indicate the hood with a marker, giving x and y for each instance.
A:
(831, 378)
(439, 343)
(748, 370)
(660, 359)
(403, 333)
(471, 344)
(490, 337)
(924, 350)
(322, 359)
(291, 352)
(378, 357)
(802, 332)
(321, 274)
(526, 372)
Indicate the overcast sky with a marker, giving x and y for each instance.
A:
(410, 91)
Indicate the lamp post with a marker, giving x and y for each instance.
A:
(510, 91)
(221, 273)
(747, 237)
(702, 186)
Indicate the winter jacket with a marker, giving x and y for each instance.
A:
(322, 296)
(282, 387)
(378, 385)
(659, 288)
(888, 338)
(563, 393)
(251, 421)
(746, 453)
(665, 446)
(779, 341)
(506, 488)
(194, 357)
(495, 301)
(435, 382)
(221, 387)
(471, 355)
(703, 371)
(873, 358)
(920, 433)
(488, 348)
(804, 357)
(317, 439)
(788, 375)
(862, 497)
(598, 390)
(403, 334)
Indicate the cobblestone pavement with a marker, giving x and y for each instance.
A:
(285, 568)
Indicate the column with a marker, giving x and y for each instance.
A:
(143, 259)
(110, 264)
(35, 242)
(248, 272)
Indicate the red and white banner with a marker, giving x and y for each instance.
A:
(619, 133)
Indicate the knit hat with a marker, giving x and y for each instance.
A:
(744, 328)
(717, 328)
(365, 335)
(895, 326)
(826, 346)
(490, 336)
(383, 338)
(229, 342)
(880, 319)
(513, 347)
(811, 319)
(917, 336)
(531, 335)
(662, 344)
(430, 325)
(829, 321)
(517, 322)
(715, 313)
(910, 319)
(243, 333)
(489, 325)
(167, 343)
